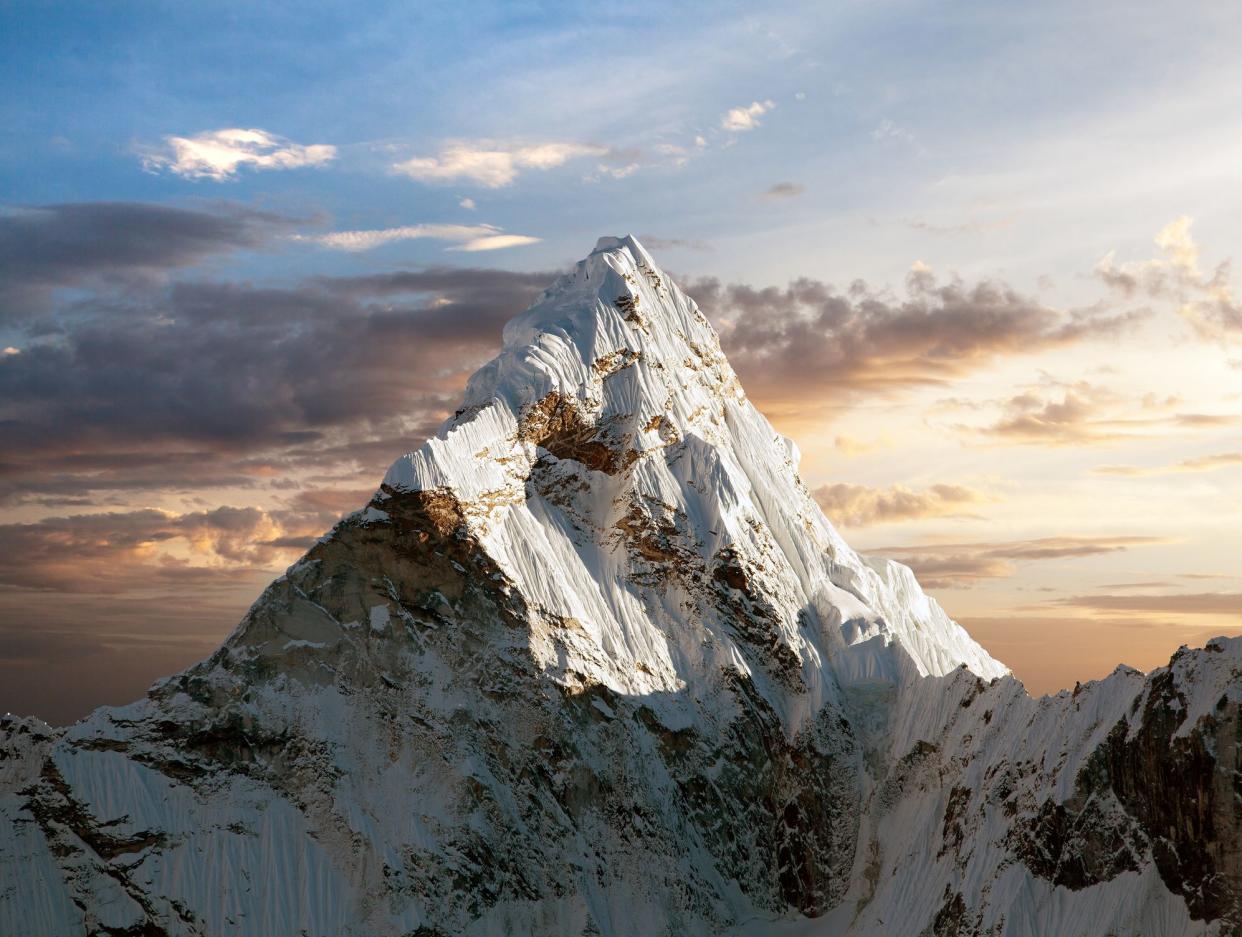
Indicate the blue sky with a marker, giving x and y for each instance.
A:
(973, 257)
(888, 115)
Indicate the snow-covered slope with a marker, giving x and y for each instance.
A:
(611, 442)
(593, 662)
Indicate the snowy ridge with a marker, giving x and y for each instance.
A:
(634, 354)
(593, 663)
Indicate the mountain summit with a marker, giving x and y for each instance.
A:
(592, 662)
(610, 464)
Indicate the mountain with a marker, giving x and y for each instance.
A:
(592, 662)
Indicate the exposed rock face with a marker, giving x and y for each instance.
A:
(1159, 790)
(591, 662)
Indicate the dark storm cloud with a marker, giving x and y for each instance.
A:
(809, 338)
(197, 376)
(234, 363)
(44, 248)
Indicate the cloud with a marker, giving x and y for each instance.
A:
(122, 244)
(965, 227)
(618, 172)
(490, 163)
(215, 384)
(955, 571)
(1083, 413)
(493, 242)
(850, 446)
(1160, 276)
(740, 119)
(218, 154)
(1205, 301)
(859, 506)
(103, 552)
(114, 600)
(675, 154)
(784, 190)
(469, 237)
(960, 565)
(793, 344)
(1067, 421)
(468, 204)
(1207, 463)
(117, 551)
(1199, 603)
(654, 242)
(623, 162)
(887, 130)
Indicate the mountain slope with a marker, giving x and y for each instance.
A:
(592, 662)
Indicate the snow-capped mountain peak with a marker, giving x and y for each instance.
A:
(611, 442)
(592, 663)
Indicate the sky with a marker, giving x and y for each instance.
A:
(973, 257)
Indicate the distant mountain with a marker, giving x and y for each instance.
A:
(592, 662)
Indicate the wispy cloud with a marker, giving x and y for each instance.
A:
(972, 226)
(1084, 413)
(850, 446)
(1072, 419)
(1199, 603)
(468, 237)
(655, 242)
(886, 130)
(960, 565)
(860, 506)
(741, 119)
(784, 190)
(219, 154)
(493, 242)
(492, 164)
(1207, 463)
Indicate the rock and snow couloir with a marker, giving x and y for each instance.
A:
(592, 662)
